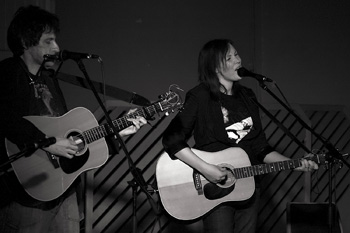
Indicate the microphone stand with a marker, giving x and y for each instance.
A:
(138, 180)
(332, 154)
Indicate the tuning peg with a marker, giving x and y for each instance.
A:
(340, 164)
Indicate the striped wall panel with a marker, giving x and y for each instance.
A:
(284, 187)
(110, 200)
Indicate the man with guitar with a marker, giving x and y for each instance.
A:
(222, 114)
(26, 90)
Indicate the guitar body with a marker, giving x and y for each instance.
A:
(38, 175)
(177, 190)
(45, 176)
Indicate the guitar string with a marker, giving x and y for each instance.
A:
(244, 172)
(101, 131)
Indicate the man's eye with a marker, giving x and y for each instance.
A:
(49, 41)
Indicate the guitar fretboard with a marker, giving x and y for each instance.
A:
(103, 130)
(261, 169)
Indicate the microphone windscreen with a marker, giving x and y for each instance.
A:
(242, 72)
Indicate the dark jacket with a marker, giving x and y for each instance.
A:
(17, 99)
(203, 117)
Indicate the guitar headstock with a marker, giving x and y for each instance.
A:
(171, 100)
(319, 158)
(325, 158)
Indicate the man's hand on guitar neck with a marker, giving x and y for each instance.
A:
(137, 123)
(63, 147)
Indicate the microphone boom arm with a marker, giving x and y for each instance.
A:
(331, 148)
(333, 153)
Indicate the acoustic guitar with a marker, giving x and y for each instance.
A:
(187, 195)
(45, 176)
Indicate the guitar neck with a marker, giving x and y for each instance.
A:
(146, 112)
(261, 169)
(104, 130)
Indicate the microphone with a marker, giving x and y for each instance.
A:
(65, 55)
(41, 143)
(243, 72)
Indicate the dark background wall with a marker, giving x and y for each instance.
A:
(147, 45)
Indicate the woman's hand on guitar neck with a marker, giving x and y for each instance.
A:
(307, 165)
(63, 147)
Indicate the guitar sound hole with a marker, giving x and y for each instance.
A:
(230, 179)
(220, 190)
(72, 165)
(213, 191)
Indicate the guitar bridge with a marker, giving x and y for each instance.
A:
(197, 182)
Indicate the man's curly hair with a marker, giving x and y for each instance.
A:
(27, 26)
